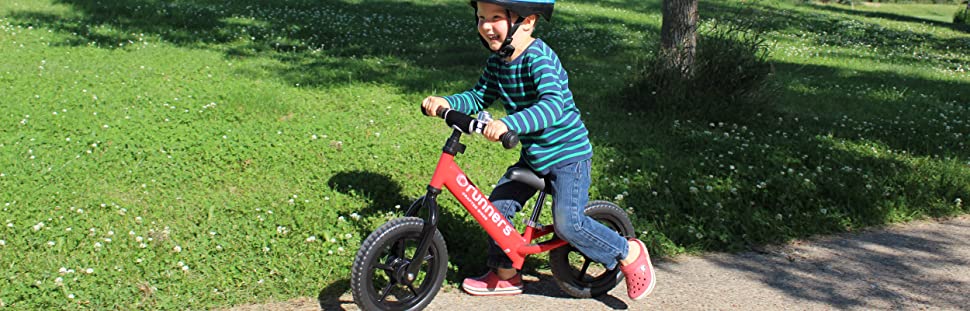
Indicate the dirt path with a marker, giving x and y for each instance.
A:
(918, 265)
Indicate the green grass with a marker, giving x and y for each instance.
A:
(199, 154)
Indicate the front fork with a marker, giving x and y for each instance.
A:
(429, 202)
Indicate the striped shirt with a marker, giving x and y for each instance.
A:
(535, 90)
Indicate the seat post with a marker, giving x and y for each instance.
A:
(532, 223)
(537, 211)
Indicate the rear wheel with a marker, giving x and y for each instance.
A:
(580, 276)
(378, 276)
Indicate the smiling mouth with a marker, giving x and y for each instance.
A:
(492, 37)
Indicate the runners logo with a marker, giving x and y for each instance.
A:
(481, 204)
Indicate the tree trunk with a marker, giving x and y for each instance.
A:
(678, 38)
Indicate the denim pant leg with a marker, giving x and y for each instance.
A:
(508, 197)
(570, 191)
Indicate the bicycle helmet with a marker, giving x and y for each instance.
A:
(523, 8)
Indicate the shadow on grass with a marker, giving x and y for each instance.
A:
(418, 46)
(831, 30)
(894, 17)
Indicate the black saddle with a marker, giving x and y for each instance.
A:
(526, 176)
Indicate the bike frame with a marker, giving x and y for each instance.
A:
(448, 175)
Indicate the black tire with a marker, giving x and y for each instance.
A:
(390, 248)
(580, 276)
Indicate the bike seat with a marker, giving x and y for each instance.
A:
(526, 176)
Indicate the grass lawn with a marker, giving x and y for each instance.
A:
(199, 154)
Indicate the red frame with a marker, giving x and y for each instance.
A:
(517, 246)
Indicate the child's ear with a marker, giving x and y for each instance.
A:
(530, 22)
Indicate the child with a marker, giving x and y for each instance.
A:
(527, 76)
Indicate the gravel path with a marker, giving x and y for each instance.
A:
(918, 265)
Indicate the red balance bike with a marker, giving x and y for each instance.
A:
(402, 264)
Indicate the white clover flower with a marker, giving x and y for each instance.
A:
(185, 268)
(59, 281)
(177, 249)
(310, 239)
(97, 245)
(3, 243)
(139, 239)
(70, 296)
(347, 236)
(89, 270)
(37, 227)
(50, 243)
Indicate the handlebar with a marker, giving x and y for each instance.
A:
(469, 125)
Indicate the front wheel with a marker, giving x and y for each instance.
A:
(580, 276)
(378, 279)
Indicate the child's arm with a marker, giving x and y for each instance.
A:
(479, 97)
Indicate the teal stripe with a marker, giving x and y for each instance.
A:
(575, 139)
(535, 121)
(563, 159)
(574, 147)
(539, 69)
(541, 119)
(550, 84)
(551, 115)
(552, 76)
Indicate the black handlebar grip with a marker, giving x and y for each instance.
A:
(509, 140)
(461, 121)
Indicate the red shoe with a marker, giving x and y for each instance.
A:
(639, 274)
(490, 285)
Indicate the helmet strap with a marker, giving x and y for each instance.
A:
(506, 50)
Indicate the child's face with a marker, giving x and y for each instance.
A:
(493, 24)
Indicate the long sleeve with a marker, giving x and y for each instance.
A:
(479, 97)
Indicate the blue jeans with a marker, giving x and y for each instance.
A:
(570, 193)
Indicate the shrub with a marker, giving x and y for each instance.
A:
(728, 80)
(962, 16)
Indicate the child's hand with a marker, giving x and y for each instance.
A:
(432, 103)
(494, 130)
